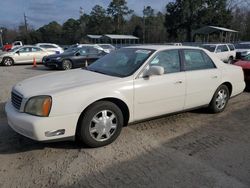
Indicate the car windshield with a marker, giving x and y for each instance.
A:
(121, 63)
(210, 48)
(242, 46)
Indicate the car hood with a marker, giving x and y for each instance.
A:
(243, 64)
(6, 53)
(54, 83)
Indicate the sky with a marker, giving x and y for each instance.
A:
(40, 12)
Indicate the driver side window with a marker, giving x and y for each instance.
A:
(169, 60)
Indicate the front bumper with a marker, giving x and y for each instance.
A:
(37, 128)
(52, 63)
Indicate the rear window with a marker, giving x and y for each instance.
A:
(47, 46)
(231, 47)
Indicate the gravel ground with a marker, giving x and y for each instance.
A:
(192, 149)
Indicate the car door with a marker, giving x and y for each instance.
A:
(202, 78)
(93, 55)
(80, 56)
(223, 52)
(23, 55)
(37, 53)
(158, 95)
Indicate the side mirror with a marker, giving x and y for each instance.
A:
(18, 52)
(77, 54)
(154, 70)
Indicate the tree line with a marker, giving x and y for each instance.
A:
(176, 23)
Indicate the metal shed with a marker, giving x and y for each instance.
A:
(94, 38)
(224, 34)
(120, 39)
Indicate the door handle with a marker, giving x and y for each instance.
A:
(214, 77)
(179, 82)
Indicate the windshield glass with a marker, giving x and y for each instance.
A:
(121, 63)
(210, 48)
(242, 46)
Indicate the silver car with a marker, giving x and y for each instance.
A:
(24, 54)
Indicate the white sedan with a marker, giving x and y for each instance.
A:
(131, 84)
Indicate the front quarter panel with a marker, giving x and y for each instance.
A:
(74, 101)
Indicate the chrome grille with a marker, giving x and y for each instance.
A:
(16, 100)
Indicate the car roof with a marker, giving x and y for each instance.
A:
(162, 47)
(215, 44)
(30, 46)
(246, 42)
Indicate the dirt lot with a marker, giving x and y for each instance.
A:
(193, 149)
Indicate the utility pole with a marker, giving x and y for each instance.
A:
(81, 12)
(25, 23)
(1, 37)
(144, 26)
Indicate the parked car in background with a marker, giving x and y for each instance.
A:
(174, 44)
(245, 64)
(24, 54)
(7, 47)
(73, 58)
(16, 44)
(51, 47)
(242, 49)
(225, 52)
(125, 86)
(107, 47)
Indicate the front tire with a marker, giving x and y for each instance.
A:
(7, 61)
(220, 99)
(100, 125)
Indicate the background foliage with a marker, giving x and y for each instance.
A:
(176, 23)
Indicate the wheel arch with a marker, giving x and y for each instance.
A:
(229, 86)
(120, 103)
(8, 57)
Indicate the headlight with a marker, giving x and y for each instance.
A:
(39, 106)
(58, 58)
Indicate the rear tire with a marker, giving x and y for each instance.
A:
(219, 100)
(7, 61)
(66, 64)
(100, 125)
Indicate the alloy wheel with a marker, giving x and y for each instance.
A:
(103, 125)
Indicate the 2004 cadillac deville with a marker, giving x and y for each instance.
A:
(128, 85)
